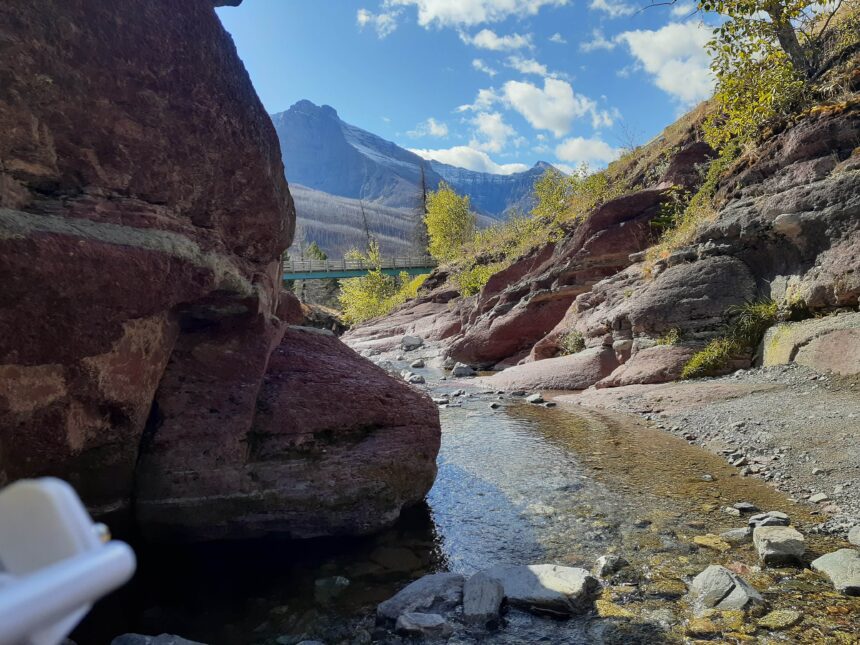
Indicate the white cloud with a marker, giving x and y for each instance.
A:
(471, 159)
(527, 65)
(485, 99)
(430, 127)
(613, 8)
(598, 41)
(552, 107)
(466, 13)
(489, 39)
(492, 133)
(383, 22)
(558, 38)
(683, 9)
(675, 57)
(578, 150)
(481, 66)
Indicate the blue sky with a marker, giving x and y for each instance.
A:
(490, 85)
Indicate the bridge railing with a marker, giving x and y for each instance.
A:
(307, 266)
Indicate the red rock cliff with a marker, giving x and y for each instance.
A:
(143, 213)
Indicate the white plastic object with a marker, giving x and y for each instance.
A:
(53, 563)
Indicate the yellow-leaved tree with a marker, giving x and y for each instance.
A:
(365, 297)
(450, 222)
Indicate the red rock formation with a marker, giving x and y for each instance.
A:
(143, 213)
(525, 301)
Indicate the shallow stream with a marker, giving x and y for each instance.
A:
(522, 484)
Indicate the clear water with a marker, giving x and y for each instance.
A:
(523, 484)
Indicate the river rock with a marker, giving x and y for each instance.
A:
(854, 535)
(461, 370)
(161, 639)
(327, 589)
(408, 343)
(417, 364)
(482, 599)
(608, 564)
(771, 518)
(434, 593)
(843, 569)
(547, 587)
(426, 625)
(778, 545)
(718, 588)
(412, 377)
(737, 536)
(534, 398)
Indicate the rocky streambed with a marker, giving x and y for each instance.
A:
(547, 523)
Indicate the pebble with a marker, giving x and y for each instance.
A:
(608, 564)
(494, 406)
(418, 624)
(818, 498)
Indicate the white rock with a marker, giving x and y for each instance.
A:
(427, 625)
(437, 592)
(534, 398)
(606, 565)
(461, 369)
(548, 587)
(854, 535)
(718, 588)
(843, 569)
(818, 498)
(417, 364)
(778, 544)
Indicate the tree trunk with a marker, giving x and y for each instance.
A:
(787, 37)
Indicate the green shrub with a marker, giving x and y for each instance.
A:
(751, 320)
(671, 337)
(571, 343)
(713, 358)
(471, 281)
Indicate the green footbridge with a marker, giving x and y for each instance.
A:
(333, 269)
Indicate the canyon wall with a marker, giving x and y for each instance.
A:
(143, 214)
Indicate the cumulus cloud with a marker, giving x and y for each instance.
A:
(489, 39)
(466, 13)
(430, 127)
(527, 65)
(598, 41)
(593, 151)
(383, 22)
(675, 57)
(491, 132)
(558, 38)
(486, 99)
(481, 66)
(552, 107)
(469, 158)
(613, 8)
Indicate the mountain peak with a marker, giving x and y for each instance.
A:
(305, 106)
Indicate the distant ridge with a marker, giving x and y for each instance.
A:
(326, 155)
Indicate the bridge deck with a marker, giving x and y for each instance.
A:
(332, 269)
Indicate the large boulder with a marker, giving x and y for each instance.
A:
(336, 446)
(141, 353)
(124, 228)
(827, 343)
(574, 372)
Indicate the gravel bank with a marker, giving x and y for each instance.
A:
(795, 428)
